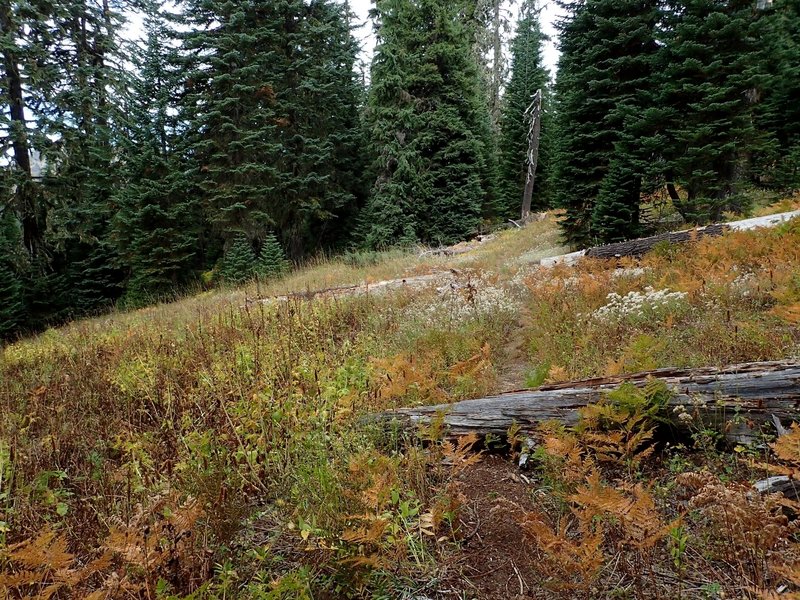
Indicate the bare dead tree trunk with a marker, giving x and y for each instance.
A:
(533, 114)
(497, 63)
(26, 204)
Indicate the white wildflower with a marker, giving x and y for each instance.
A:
(640, 305)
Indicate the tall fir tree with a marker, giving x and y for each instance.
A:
(604, 83)
(528, 74)
(85, 118)
(272, 113)
(65, 75)
(711, 79)
(778, 113)
(12, 303)
(158, 223)
(429, 126)
(21, 56)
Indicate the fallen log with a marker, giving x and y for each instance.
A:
(641, 246)
(738, 400)
(362, 289)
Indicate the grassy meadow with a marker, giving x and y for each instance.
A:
(217, 447)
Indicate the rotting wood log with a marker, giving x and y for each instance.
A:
(739, 400)
(780, 484)
(641, 246)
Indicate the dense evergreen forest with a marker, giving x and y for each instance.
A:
(236, 136)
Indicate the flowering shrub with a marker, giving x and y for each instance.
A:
(477, 299)
(641, 306)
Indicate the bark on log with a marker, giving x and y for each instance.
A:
(640, 246)
(738, 399)
(643, 245)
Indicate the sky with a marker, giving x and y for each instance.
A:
(550, 12)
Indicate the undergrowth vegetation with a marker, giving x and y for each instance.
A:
(220, 446)
(720, 301)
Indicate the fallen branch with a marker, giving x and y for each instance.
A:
(738, 399)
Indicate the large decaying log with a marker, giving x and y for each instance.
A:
(739, 400)
(642, 245)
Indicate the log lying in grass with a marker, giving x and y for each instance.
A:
(738, 399)
(642, 245)
(365, 288)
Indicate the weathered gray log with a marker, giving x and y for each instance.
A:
(643, 245)
(640, 246)
(780, 484)
(738, 399)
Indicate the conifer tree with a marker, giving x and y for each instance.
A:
(605, 82)
(157, 226)
(272, 259)
(84, 113)
(19, 58)
(778, 113)
(711, 74)
(12, 307)
(429, 127)
(272, 116)
(239, 262)
(528, 75)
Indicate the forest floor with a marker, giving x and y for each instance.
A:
(217, 447)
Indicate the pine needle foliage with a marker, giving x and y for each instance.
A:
(12, 308)
(239, 262)
(429, 127)
(272, 260)
(608, 52)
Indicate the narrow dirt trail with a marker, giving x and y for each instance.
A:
(514, 356)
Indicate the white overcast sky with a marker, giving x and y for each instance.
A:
(550, 12)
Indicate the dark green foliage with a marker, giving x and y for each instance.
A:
(710, 80)
(271, 114)
(239, 262)
(158, 224)
(528, 74)
(272, 259)
(616, 214)
(778, 112)
(604, 84)
(429, 127)
(12, 307)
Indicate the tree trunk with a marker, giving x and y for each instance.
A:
(26, 203)
(738, 399)
(534, 114)
(497, 63)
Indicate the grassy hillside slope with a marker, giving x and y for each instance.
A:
(213, 447)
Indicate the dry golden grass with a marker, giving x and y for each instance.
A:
(216, 445)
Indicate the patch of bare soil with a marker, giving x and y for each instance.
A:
(494, 562)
